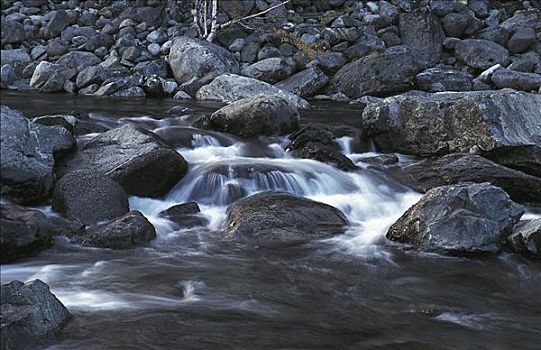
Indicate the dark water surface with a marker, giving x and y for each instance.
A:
(190, 290)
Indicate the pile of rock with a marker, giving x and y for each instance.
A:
(307, 47)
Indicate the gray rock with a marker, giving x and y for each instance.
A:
(56, 48)
(50, 77)
(237, 45)
(231, 87)
(181, 95)
(7, 75)
(270, 70)
(133, 157)
(522, 40)
(273, 219)
(382, 74)
(427, 124)
(328, 62)
(237, 8)
(365, 44)
(78, 60)
(31, 315)
(530, 18)
(438, 79)
(305, 83)
(12, 32)
(481, 54)
(27, 156)
(27, 231)
(154, 49)
(507, 78)
(57, 23)
(128, 231)
(256, 116)
(422, 33)
(526, 158)
(89, 197)
(185, 215)
(526, 238)
(466, 219)
(91, 75)
(455, 24)
(14, 57)
(198, 60)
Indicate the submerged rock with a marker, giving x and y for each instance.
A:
(259, 115)
(271, 219)
(30, 314)
(466, 219)
(526, 239)
(28, 153)
(127, 231)
(89, 197)
(135, 158)
(428, 124)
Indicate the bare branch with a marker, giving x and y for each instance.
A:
(233, 21)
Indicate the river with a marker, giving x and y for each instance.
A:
(190, 290)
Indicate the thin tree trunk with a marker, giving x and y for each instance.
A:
(214, 24)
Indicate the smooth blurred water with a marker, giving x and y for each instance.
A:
(190, 290)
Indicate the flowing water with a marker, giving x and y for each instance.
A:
(190, 290)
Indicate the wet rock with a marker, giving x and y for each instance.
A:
(467, 219)
(133, 157)
(28, 153)
(304, 83)
(438, 79)
(318, 143)
(89, 197)
(50, 77)
(31, 315)
(507, 78)
(522, 40)
(128, 231)
(12, 32)
(272, 219)
(270, 70)
(463, 167)
(256, 116)
(420, 123)
(526, 238)
(232, 87)
(199, 62)
(422, 33)
(186, 215)
(67, 121)
(481, 54)
(381, 160)
(382, 74)
(27, 231)
(58, 22)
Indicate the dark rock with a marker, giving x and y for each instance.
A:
(237, 8)
(133, 157)
(530, 18)
(153, 86)
(364, 45)
(28, 153)
(498, 35)
(457, 168)
(524, 158)
(66, 121)
(316, 142)
(91, 75)
(304, 83)
(481, 54)
(455, 24)
(185, 215)
(507, 78)
(328, 62)
(89, 197)
(78, 60)
(31, 315)
(199, 62)
(56, 48)
(438, 79)
(272, 219)
(428, 124)
(382, 74)
(270, 70)
(522, 40)
(381, 159)
(58, 22)
(15, 58)
(232, 87)
(128, 231)
(422, 33)
(7, 75)
(256, 116)
(12, 32)
(526, 238)
(467, 219)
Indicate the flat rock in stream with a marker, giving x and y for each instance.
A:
(135, 158)
(465, 219)
(272, 219)
(31, 315)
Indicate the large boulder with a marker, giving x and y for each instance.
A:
(270, 219)
(378, 74)
(135, 158)
(270, 70)
(78, 60)
(89, 197)
(466, 219)
(59, 20)
(50, 77)
(196, 62)
(255, 116)
(530, 18)
(27, 231)
(440, 79)
(31, 315)
(422, 33)
(231, 87)
(28, 152)
(526, 238)
(525, 158)
(428, 124)
(304, 83)
(507, 78)
(12, 32)
(128, 231)
(15, 58)
(481, 54)
(457, 168)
